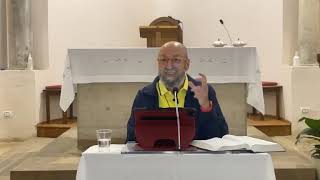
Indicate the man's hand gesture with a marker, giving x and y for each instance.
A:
(201, 91)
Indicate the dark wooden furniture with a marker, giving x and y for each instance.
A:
(55, 90)
(162, 30)
(273, 88)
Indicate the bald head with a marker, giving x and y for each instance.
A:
(173, 64)
(174, 46)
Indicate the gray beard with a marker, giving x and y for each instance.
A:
(170, 84)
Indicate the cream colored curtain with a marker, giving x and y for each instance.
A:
(309, 30)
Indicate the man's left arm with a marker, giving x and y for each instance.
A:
(211, 120)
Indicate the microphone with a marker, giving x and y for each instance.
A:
(222, 23)
(175, 92)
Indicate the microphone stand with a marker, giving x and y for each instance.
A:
(178, 119)
(225, 28)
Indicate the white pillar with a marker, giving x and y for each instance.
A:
(309, 30)
(3, 35)
(19, 32)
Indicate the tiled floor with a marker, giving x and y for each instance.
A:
(13, 152)
(289, 141)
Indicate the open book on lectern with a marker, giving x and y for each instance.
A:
(231, 142)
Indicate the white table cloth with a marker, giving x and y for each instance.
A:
(220, 65)
(95, 165)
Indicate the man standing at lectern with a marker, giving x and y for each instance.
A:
(173, 63)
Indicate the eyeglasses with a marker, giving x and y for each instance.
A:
(173, 61)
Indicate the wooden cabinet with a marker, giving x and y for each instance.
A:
(162, 30)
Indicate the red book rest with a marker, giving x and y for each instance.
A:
(53, 87)
(157, 129)
(269, 83)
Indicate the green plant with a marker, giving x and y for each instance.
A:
(311, 132)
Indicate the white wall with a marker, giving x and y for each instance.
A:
(40, 52)
(83, 24)
(17, 94)
(290, 29)
(290, 40)
(115, 23)
(300, 84)
(21, 91)
(305, 92)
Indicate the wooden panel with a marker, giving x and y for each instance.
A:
(296, 174)
(47, 175)
(55, 128)
(51, 132)
(271, 127)
(275, 130)
(159, 35)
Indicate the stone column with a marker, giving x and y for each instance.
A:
(19, 32)
(309, 30)
(3, 35)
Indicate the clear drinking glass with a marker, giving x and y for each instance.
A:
(104, 139)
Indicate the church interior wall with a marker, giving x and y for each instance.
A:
(267, 25)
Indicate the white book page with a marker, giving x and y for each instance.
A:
(219, 144)
(259, 145)
(256, 145)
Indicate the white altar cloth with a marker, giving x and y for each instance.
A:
(95, 165)
(220, 65)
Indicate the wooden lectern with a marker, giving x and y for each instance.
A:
(161, 30)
